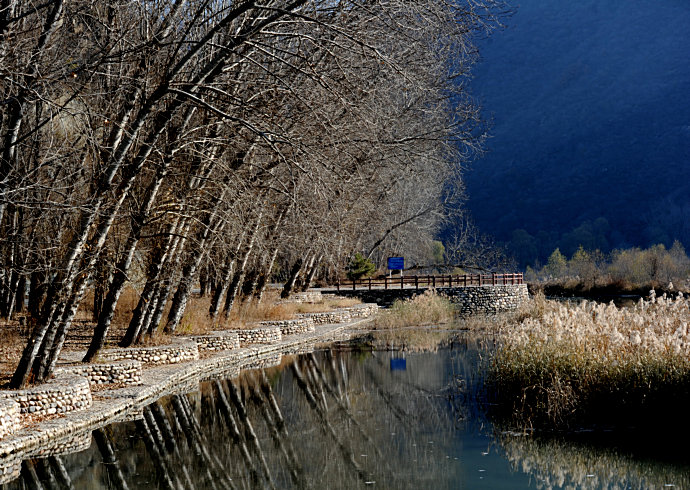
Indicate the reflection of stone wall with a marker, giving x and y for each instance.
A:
(59, 395)
(165, 354)
(9, 417)
(126, 372)
(217, 341)
(291, 327)
(10, 467)
(259, 336)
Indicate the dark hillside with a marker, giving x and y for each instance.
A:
(590, 103)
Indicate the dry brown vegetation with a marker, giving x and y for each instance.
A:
(424, 309)
(566, 364)
(196, 321)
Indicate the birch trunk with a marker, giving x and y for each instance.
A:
(311, 270)
(120, 277)
(238, 277)
(292, 278)
(227, 273)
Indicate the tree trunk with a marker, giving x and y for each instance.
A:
(313, 265)
(21, 294)
(184, 290)
(266, 276)
(219, 292)
(292, 278)
(37, 289)
(108, 305)
(158, 307)
(238, 277)
(158, 259)
(210, 225)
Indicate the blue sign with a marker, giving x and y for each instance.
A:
(396, 263)
(398, 365)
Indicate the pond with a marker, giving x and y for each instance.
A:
(347, 418)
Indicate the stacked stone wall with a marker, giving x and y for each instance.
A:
(342, 315)
(470, 299)
(269, 335)
(60, 395)
(217, 341)
(291, 327)
(125, 372)
(166, 354)
(487, 299)
(304, 297)
(73, 443)
(10, 468)
(9, 417)
(264, 362)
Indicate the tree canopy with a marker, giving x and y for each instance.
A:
(174, 143)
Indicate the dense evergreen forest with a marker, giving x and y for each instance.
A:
(168, 145)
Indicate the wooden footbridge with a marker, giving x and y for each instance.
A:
(431, 281)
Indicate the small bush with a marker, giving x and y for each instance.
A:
(359, 267)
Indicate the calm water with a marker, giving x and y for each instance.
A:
(345, 419)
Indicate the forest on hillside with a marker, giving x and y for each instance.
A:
(590, 127)
(166, 145)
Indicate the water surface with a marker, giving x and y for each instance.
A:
(345, 418)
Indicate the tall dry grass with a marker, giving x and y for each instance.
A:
(577, 363)
(424, 309)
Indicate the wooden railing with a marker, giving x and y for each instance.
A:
(434, 281)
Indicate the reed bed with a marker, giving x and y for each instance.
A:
(570, 364)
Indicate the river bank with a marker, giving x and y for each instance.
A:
(118, 403)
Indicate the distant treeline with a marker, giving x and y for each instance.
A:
(632, 268)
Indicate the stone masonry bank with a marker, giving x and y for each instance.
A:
(488, 299)
(469, 299)
(69, 393)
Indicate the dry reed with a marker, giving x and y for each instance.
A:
(576, 363)
(424, 309)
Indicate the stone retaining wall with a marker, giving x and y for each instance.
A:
(126, 372)
(10, 468)
(304, 297)
(217, 341)
(259, 336)
(264, 362)
(488, 299)
(342, 315)
(67, 433)
(166, 354)
(9, 417)
(291, 327)
(74, 443)
(470, 299)
(60, 395)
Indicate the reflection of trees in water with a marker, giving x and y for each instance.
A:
(330, 419)
(556, 464)
(49, 472)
